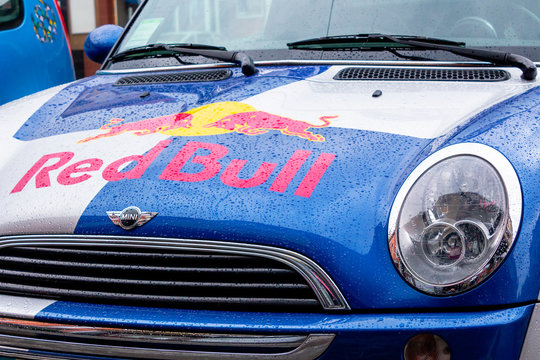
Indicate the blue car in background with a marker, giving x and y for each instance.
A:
(35, 53)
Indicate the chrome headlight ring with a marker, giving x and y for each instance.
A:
(455, 219)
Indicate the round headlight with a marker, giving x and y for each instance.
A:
(453, 220)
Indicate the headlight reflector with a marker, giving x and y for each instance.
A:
(451, 223)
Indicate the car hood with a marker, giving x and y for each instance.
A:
(309, 163)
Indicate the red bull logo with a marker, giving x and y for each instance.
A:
(57, 167)
(231, 117)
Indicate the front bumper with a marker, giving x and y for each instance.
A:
(494, 334)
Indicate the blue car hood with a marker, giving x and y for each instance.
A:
(288, 158)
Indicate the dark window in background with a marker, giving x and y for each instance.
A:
(64, 11)
(125, 10)
(77, 55)
(11, 13)
(78, 63)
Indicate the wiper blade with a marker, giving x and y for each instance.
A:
(214, 52)
(148, 50)
(369, 41)
(386, 42)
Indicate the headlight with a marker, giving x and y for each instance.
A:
(454, 220)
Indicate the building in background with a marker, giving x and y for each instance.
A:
(82, 16)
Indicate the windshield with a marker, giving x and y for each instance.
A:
(264, 27)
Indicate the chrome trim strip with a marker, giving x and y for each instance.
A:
(314, 346)
(24, 354)
(308, 346)
(305, 63)
(513, 190)
(78, 333)
(531, 346)
(324, 287)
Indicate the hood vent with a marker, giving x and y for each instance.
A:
(408, 74)
(193, 76)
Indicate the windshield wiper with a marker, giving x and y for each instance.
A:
(161, 49)
(215, 52)
(386, 42)
(370, 41)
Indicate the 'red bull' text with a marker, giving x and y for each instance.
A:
(57, 166)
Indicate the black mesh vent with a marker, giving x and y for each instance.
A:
(380, 73)
(193, 76)
(155, 277)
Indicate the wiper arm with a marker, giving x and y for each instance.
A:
(528, 68)
(214, 52)
(385, 42)
(244, 60)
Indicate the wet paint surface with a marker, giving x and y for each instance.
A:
(328, 199)
(93, 102)
(497, 334)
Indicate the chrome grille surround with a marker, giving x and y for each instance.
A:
(327, 293)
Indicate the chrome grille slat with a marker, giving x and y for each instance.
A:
(125, 298)
(80, 251)
(102, 266)
(10, 273)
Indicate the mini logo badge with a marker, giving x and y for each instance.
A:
(130, 217)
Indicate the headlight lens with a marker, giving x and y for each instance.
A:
(451, 223)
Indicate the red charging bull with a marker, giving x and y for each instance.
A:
(232, 117)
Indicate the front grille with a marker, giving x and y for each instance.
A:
(148, 276)
(382, 73)
(192, 76)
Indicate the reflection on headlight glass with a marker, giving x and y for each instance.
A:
(452, 220)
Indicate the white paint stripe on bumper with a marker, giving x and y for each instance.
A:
(22, 307)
